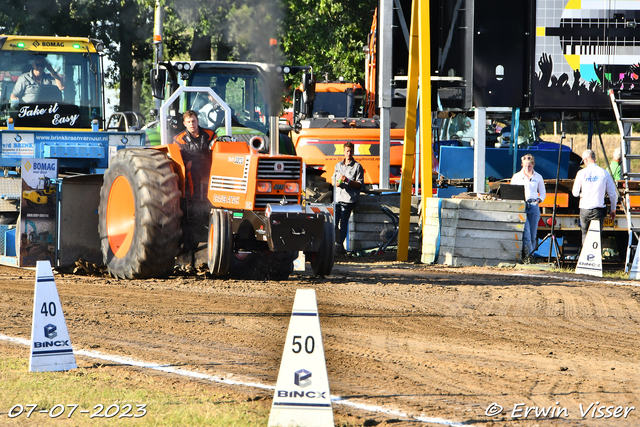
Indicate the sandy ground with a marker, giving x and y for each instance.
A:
(453, 344)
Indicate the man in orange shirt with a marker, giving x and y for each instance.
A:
(195, 148)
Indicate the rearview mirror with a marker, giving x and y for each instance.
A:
(158, 79)
(308, 88)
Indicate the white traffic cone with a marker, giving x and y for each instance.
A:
(50, 344)
(590, 260)
(633, 272)
(302, 395)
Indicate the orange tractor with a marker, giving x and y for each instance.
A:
(250, 216)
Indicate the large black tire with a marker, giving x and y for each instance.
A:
(262, 265)
(322, 261)
(279, 265)
(219, 242)
(139, 215)
(245, 265)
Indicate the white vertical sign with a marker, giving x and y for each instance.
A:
(635, 268)
(302, 396)
(50, 344)
(590, 260)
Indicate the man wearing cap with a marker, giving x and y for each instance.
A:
(590, 185)
(28, 84)
(534, 193)
(614, 167)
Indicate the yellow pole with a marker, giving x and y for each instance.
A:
(409, 148)
(425, 105)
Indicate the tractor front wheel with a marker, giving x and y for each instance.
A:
(322, 261)
(219, 242)
(139, 215)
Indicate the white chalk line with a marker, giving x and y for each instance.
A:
(569, 279)
(197, 375)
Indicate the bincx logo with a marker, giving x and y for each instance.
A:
(50, 331)
(302, 378)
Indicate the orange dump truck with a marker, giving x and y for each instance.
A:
(325, 121)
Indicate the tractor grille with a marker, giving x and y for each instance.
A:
(279, 168)
(263, 200)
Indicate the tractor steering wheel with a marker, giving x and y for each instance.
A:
(215, 117)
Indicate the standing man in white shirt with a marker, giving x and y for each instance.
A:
(590, 184)
(348, 180)
(534, 193)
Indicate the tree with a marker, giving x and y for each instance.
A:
(329, 35)
(33, 17)
(126, 29)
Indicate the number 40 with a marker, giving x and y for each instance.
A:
(51, 311)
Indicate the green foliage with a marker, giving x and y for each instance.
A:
(44, 18)
(328, 35)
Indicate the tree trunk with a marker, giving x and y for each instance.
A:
(223, 51)
(201, 47)
(127, 14)
(137, 87)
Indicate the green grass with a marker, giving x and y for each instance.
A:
(169, 402)
(618, 274)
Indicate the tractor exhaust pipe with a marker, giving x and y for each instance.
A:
(274, 136)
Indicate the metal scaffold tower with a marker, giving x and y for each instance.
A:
(631, 179)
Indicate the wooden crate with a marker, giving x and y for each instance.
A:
(472, 232)
(367, 221)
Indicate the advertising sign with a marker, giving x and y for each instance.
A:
(38, 212)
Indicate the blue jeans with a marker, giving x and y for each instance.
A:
(342, 212)
(530, 234)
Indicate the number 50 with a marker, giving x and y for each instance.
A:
(309, 344)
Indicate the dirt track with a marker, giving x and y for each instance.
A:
(433, 342)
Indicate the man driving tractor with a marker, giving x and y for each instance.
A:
(195, 149)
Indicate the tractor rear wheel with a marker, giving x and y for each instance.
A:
(139, 215)
(219, 242)
(322, 261)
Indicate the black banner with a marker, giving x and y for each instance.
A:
(47, 115)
